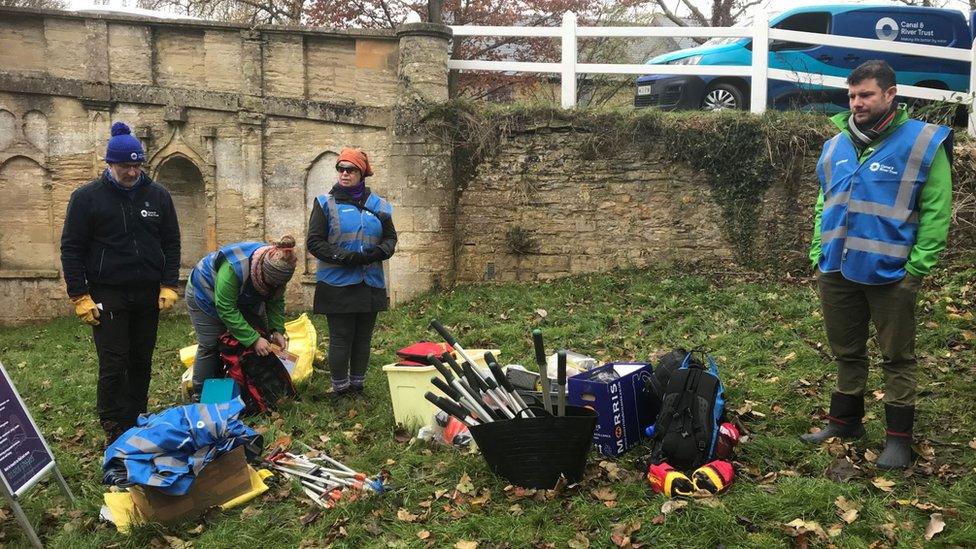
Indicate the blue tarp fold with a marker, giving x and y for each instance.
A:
(167, 450)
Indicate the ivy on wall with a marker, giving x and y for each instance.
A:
(739, 154)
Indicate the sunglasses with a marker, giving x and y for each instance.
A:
(347, 169)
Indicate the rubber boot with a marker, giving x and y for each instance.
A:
(898, 443)
(844, 421)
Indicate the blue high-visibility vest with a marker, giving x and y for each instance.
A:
(870, 213)
(204, 275)
(356, 230)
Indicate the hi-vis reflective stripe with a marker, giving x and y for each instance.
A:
(901, 210)
(835, 199)
(208, 422)
(839, 232)
(828, 164)
(878, 247)
(335, 234)
(246, 271)
(144, 445)
(873, 208)
(338, 237)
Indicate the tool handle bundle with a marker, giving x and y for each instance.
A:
(323, 478)
(477, 396)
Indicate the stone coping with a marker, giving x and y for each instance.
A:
(375, 34)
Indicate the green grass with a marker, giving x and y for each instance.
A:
(767, 338)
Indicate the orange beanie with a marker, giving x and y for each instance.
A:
(356, 157)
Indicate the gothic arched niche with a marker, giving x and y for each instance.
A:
(185, 183)
(35, 130)
(26, 234)
(321, 176)
(8, 128)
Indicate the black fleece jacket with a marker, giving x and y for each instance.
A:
(113, 239)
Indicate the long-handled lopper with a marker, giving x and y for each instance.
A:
(561, 379)
(496, 394)
(468, 399)
(540, 360)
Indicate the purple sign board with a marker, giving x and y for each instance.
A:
(24, 455)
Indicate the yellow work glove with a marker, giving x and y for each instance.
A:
(167, 298)
(86, 309)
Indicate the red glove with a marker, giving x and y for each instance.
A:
(714, 477)
(664, 479)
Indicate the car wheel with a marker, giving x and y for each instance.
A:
(722, 96)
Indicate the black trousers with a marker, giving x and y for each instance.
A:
(124, 340)
(350, 335)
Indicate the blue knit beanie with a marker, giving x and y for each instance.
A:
(123, 147)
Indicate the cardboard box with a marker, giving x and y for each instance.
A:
(625, 405)
(223, 479)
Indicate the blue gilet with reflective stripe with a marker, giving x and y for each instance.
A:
(870, 212)
(204, 275)
(355, 230)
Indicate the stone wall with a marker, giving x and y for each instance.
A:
(584, 214)
(242, 124)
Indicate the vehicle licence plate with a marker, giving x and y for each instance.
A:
(643, 90)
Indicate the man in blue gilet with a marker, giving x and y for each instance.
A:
(881, 220)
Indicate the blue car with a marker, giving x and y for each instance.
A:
(931, 26)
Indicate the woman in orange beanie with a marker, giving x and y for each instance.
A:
(351, 233)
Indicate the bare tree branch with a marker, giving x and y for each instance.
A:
(671, 15)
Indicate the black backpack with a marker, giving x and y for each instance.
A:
(692, 409)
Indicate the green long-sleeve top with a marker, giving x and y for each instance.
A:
(226, 291)
(935, 203)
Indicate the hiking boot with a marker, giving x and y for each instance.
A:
(898, 442)
(113, 430)
(844, 420)
(357, 393)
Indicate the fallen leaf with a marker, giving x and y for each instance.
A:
(482, 499)
(250, 511)
(542, 313)
(935, 525)
(842, 470)
(846, 510)
(176, 543)
(878, 395)
(406, 516)
(673, 505)
(613, 470)
(311, 517)
(604, 494)
(516, 510)
(463, 544)
(620, 536)
(835, 530)
(423, 534)
(579, 541)
(464, 485)
(800, 527)
(890, 531)
(401, 434)
(870, 456)
(883, 484)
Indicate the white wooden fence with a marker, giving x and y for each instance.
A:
(759, 71)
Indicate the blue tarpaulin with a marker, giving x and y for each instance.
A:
(167, 450)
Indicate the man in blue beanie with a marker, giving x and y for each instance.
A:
(120, 254)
